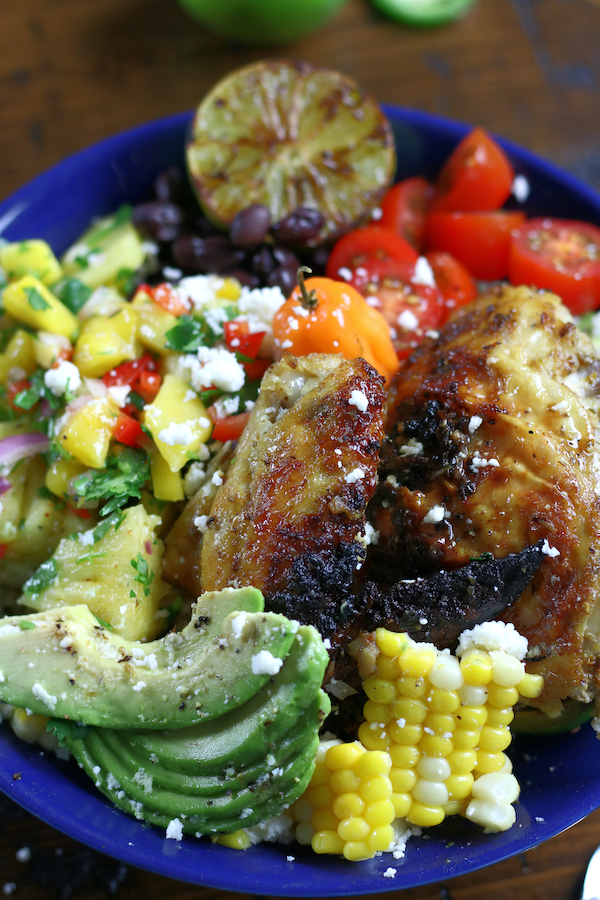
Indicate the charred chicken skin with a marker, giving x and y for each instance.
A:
(490, 448)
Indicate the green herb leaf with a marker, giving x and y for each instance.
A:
(144, 575)
(42, 578)
(73, 293)
(104, 624)
(187, 336)
(35, 299)
(103, 528)
(25, 625)
(122, 479)
(65, 730)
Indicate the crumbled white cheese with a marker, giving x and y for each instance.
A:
(64, 377)
(354, 476)
(436, 514)
(389, 873)
(200, 523)
(218, 478)
(23, 855)
(177, 435)
(423, 273)
(174, 830)
(278, 829)
(194, 476)
(258, 306)
(371, 535)
(47, 699)
(474, 423)
(264, 663)
(360, 400)
(237, 624)
(548, 550)
(119, 393)
(137, 687)
(86, 537)
(408, 320)
(411, 448)
(493, 636)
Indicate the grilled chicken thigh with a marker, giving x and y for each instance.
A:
(490, 448)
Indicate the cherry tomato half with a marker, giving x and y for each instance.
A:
(560, 255)
(454, 282)
(229, 428)
(477, 176)
(239, 339)
(403, 209)
(351, 251)
(480, 241)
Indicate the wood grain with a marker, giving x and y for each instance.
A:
(75, 71)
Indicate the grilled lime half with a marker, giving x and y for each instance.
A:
(534, 721)
(287, 134)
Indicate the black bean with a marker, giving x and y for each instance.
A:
(250, 226)
(245, 278)
(283, 278)
(158, 220)
(170, 185)
(285, 258)
(300, 227)
(318, 260)
(213, 254)
(263, 261)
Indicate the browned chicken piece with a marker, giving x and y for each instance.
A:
(491, 447)
(304, 471)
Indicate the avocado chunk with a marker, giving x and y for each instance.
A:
(239, 769)
(82, 671)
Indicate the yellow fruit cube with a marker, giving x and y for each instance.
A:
(106, 342)
(104, 252)
(177, 421)
(153, 322)
(19, 355)
(86, 435)
(60, 473)
(166, 485)
(33, 257)
(30, 301)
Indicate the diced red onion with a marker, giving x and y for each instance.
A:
(5, 485)
(148, 547)
(21, 446)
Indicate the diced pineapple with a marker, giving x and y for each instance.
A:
(86, 435)
(105, 343)
(19, 355)
(109, 248)
(59, 474)
(153, 322)
(30, 258)
(117, 574)
(105, 301)
(31, 524)
(48, 347)
(167, 485)
(30, 301)
(178, 422)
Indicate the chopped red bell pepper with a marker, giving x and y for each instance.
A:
(168, 298)
(148, 385)
(228, 428)
(128, 372)
(239, 339)
(127, 430)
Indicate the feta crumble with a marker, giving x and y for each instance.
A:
(360, 400)
(548, 550)
(64, 377)
(423, 273)
(176, 435)
(174, 830)
(264, 663)
(354, 476)
(436, 514)
(493, 636)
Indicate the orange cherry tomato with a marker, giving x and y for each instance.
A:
(478, 176)
(403, 209)
(560, 255)
(479, 240)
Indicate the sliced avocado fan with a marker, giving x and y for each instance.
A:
(217, 776)
(64, 663)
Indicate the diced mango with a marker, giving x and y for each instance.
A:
(153, 322)
(60, 473)
(30, 301)
(229, 290)
(105, 343)
(178, 422)
(167, 485)
(48, 347)
(104, 252)
(86, 435)
(33, 257)
(19, 354)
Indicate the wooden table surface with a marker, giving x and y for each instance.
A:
(72, 72)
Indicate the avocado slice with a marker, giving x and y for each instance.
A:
(84, 672)
(242, 768)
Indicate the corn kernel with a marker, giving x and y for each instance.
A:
(370, 765)
(320, 775)
(379, 689)
(402, 803)
(403, 780)
(430, 793)
(494, 740)
(489, 762)
(379, 813)
(425, 816)
(434, 745)
(238, 840)
(375, 712)
(345, 806)
(28, 727)
(357, 850)
(344, 781)
(501, 697)
(445, 673)
(459, 786)
(354, 828)
(380, 838)
(325, 842)
(302, 809)
(443, 702)
(440, 724)
(530, 686)
(473, 695)
(476, 667)
(414, 712)
(455, 807)
(497, 787)
(507, 670)
(462, 761)
(387, 668)
(433, 768)
(324, 820)
(498, 717)
(378, 788)
(373, 738)
(405, 734)
(321, 796)
(411, 686)
(465, 740)
(417, 661)
(390, 643)
(472, 717)
(404, 757)
(305, 833)
(342, 756)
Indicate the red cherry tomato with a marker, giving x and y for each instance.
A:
(229, 428)
(127, 430)
(480, 241)
(168, 297)
(454, 282)
(411, 309)
(560, 255)
(239, 339)
(128, 372)
(353, 249)
(477, 176)
(403, 210)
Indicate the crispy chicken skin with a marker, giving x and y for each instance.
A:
(304, 471)
(491, 446)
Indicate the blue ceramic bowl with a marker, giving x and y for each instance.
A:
(559, 776)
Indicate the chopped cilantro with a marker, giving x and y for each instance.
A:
(89, 556)
(121, 480)
(137, 401)
(83, 261)
(25, 625)
(73, 293)
(124, 281)
(207, 397)
(64, 729)
(37, 390)
(485, 557)
(104, 624)
(6, 334)
(41, 579)
(35, 299)
(174, 609)
(132, 593)
(187, 336)
(144, 575)
(104, 527)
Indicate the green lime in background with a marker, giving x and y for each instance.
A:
(423, 13)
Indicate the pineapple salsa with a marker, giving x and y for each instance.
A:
(116, 410)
